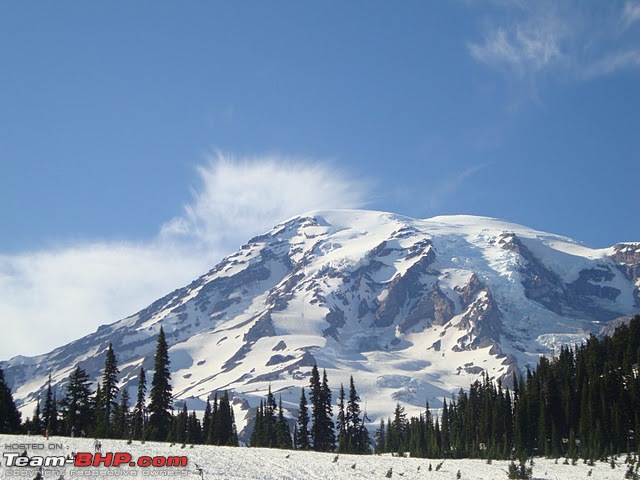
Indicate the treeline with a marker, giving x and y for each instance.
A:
(315, 429)
(583, 403)
(108, 412)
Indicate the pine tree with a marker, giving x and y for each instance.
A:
(317, 408)
(302, 430)
(50, 411)
(36, 422)
(9, 414)
(283, 434)
(179, 425)
(138, 419)
(357, 436)
(225, 425)
(212, 436)
(122, 416)
(109, 392)
(341, 424)
(381, 438)
(206, 421)
(161, 396)
(328, 432)
(322, 431)
(258, 434)
(194, 429)
(396, 431)
(269, 419)
(77, 415)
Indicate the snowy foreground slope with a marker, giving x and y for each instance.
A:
(272, 464)
(414, 309)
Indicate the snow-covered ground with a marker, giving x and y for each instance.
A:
(260, 463)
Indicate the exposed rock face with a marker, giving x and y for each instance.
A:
(482, 319)
(434, 308)
(401, 288)
(540, 284)
(627, 255)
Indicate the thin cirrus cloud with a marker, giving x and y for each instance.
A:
(631, 13)
(528, 40)
(54, 296)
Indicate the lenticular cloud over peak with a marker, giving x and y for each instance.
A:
(239, 197)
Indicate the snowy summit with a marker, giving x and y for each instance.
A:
(414, 309)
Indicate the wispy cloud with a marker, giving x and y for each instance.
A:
(522, 48)
(631, 13)
(54, 296)
(451, 185)
(531, 39)
(241, 196)
(613, 62)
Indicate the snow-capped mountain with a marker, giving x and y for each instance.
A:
(414, 309)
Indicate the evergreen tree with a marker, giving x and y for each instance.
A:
(258, 434)
(396, 431)
(225, 425)
(50, 411)
(9, 414)
(328, 432)
(341, 424)
(122, 416)
(302, 430)
(322, 430)
(206, 421)
(269, 418)
(161, 394)
(179, 425)
(317, 408)
(269, 429)
(357, 436)
(212, 436)
(109, 391)
(194, 429)
(77, 415)
(138, 419)
(381, 438)
(283, 434)
(36, 423)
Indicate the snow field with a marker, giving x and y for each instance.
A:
(271, 464)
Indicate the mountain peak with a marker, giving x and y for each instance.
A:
(415, 309)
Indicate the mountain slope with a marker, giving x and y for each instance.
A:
(414, 309)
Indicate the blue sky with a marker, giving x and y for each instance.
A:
(141, 141)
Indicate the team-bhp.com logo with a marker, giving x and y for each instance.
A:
(86, 459)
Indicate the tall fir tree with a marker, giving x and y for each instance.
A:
(212, 436)
(206, 421)
(36, 423)
(341, 422)
(77, 415)
(50, 411)
(9, 414)
(161, 393)
(122, 416)
(381, 438)
(302, 425)
(109, 391)
(322, 431)
(283, 434)
(225, 427)
(138, 417)
(329, 434)
(357, 435)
